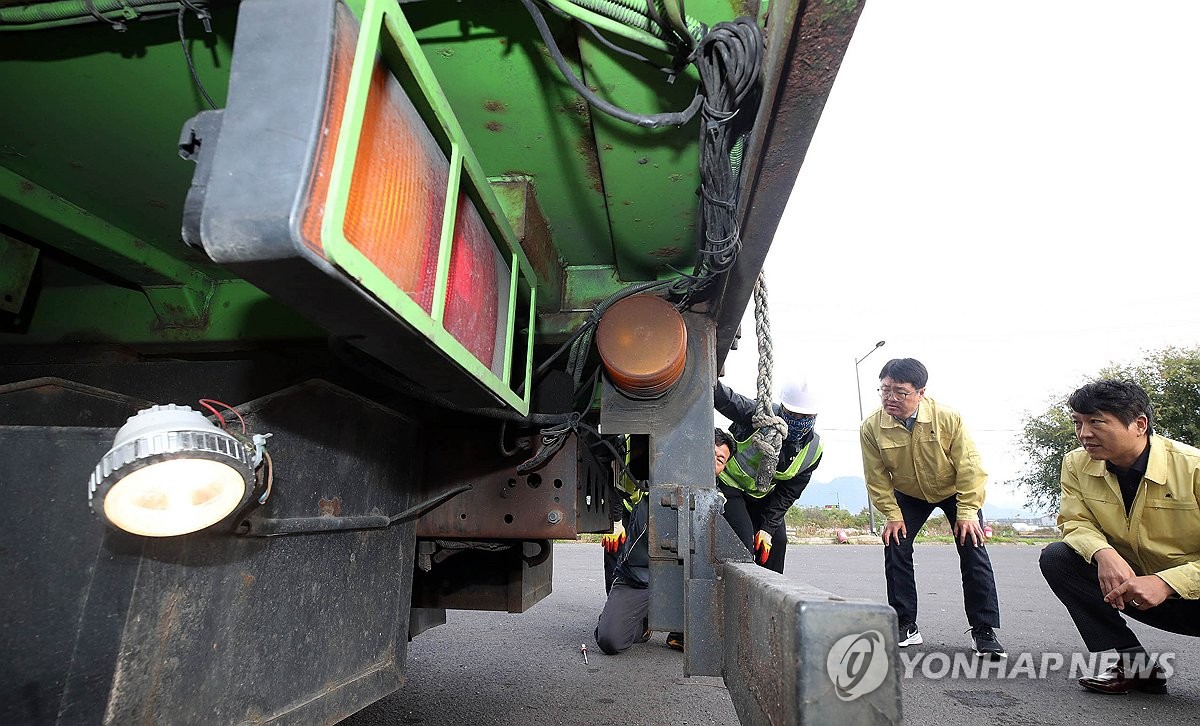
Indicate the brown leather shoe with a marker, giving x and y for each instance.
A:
(1116, 682)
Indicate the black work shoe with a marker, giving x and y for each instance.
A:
(675, 641)
(1115, 681)
(909, 635)
(986, 644)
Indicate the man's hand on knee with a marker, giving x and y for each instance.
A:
(894, 532)
(968, 530)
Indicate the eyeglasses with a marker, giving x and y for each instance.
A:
(888, 393)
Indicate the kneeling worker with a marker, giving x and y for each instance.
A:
(623, 620)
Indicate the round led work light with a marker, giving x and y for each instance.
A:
(171, 471)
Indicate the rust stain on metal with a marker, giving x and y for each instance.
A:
(744, 8)
(534, 235)
(157, 203)
(586, 148)
(820, 36)
(330, 507)
(824, 34)
(25, 186)
(495, 106)
(577, 107)
(666, 253)
(166, 622)
(494, 126)
(247, 579)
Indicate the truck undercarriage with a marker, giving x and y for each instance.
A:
(390, 237)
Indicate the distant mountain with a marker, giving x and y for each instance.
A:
(850, 492)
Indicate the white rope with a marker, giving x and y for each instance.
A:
(770, 429)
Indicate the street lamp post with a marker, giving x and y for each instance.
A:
(858, 386)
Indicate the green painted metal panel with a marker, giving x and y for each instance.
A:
(518, 113)
(93, 116)
(103, 313)
(179, 292)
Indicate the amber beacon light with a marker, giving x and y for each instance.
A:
(643, 343)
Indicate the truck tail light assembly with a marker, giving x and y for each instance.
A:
(340, 182)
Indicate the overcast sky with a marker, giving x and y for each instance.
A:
(1009, 194)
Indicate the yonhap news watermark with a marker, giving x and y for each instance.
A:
(936, 665)
(858, 664)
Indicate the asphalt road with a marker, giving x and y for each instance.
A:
(511, 670)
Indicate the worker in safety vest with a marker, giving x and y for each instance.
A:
(629, 491)
(757, 515)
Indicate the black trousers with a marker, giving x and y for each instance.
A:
(1076, 582)
(745, 514)
(979, 583)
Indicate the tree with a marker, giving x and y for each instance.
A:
(1171, 376)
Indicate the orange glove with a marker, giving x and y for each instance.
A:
(762, 546)
(612, 542)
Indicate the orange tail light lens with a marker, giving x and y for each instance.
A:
(397, 203)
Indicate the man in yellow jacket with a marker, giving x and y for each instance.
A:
(917, 457)
(1130, 520)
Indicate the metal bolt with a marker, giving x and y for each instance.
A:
(554, 517)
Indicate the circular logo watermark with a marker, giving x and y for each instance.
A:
(857, 664)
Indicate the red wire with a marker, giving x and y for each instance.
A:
(215, 412)
(205, 401)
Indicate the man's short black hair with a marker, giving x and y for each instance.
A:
(1124, 399)
(720, 436)
(906, 370)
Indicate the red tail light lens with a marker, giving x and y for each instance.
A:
(477, 298)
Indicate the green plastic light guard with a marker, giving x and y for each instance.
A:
(380, 16)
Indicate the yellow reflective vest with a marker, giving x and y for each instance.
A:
(741, 471)
(1161, 534)
(934, 461)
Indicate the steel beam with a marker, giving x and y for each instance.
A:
(811, 39)
(795, 654)
(238, 311)
(568, 494)
(686, 540)
(179, 294)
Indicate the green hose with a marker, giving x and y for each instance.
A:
(635, 14)
(735, 156)
(671, 10)
(675, 14)
(75, 12)
(615, 27)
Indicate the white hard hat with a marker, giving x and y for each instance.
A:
(797, 398)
